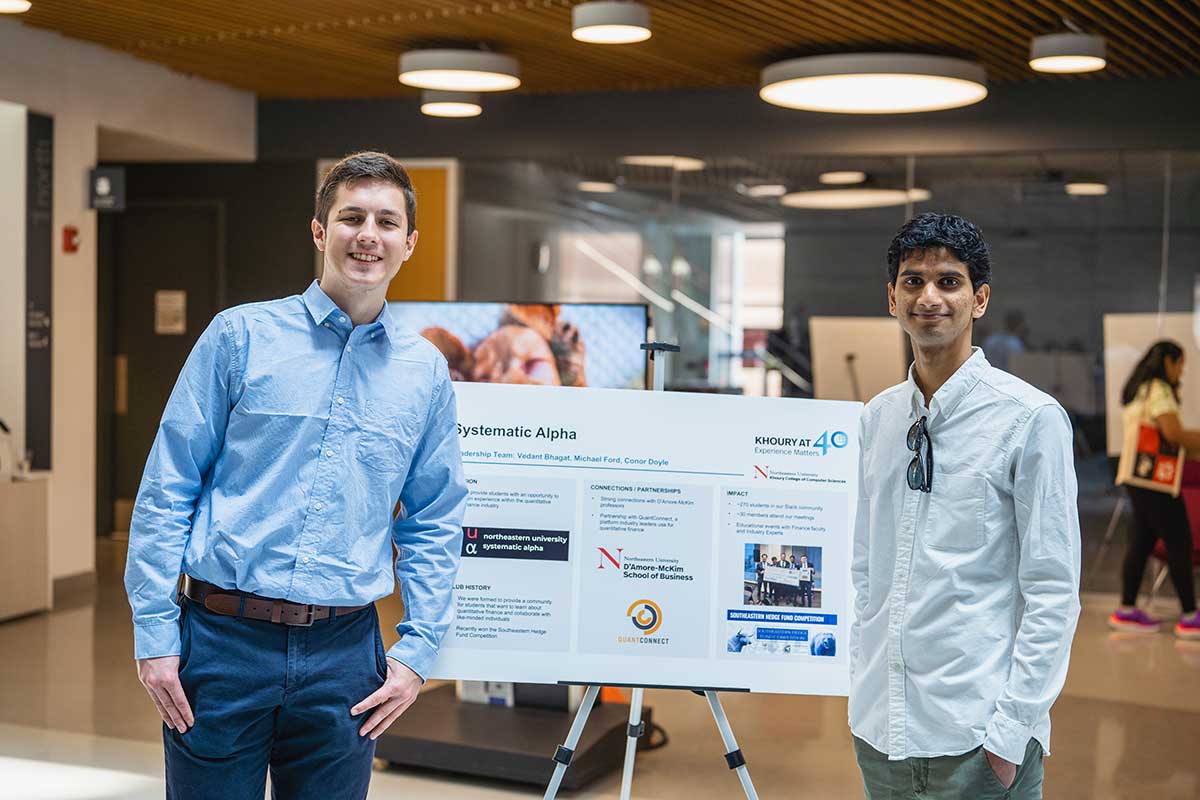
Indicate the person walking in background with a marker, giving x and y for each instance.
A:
(1002, 344)
(1151, 397)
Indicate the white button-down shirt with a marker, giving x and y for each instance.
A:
(966, 597)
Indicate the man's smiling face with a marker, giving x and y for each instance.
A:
(933, 298)
(366, 238)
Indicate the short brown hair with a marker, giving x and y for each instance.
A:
(369, 165)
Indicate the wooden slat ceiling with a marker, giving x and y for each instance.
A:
(349, 48)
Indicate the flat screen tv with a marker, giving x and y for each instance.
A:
(559, 344)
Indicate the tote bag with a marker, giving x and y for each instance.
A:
(1148, 460)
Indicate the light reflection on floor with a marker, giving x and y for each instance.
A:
(1126, 726)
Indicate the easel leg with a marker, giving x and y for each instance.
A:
(562, 756)
(733, 755)
(635, 732)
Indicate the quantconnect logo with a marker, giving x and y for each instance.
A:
(645, 615)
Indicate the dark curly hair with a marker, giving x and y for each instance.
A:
(959, 236)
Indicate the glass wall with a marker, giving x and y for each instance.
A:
(736, 277)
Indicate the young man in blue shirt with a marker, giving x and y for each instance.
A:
(294, 428)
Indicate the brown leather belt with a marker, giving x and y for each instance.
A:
(234, 603)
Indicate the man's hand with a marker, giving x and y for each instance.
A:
(393, 699)
(1006, 771)
(160, 676)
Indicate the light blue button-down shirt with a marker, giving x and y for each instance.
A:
(967, 597)
(282, 451)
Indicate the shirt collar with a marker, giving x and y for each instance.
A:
(947, 398)
(321, 307)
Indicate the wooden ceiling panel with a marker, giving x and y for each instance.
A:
(308, 49)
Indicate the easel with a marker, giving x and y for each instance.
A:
(564, 752)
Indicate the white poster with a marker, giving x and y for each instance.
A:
(654, 539)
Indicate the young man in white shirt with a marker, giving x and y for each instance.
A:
(966, 547)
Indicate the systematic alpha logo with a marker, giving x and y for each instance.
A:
(645, 615)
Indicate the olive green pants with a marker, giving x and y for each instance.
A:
(964, 777)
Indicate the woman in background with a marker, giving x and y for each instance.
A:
(1151, 396)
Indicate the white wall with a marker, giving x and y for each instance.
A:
(86, 87)
(13, 131)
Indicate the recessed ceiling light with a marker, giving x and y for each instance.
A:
(847, 199)
(610, 22)
(651, 266)
(1065, 53)
(14, 6)
(680, 267)
(1088, 188)
(459, 70)
(450, 104)
(765, 190)
(677, 163)
(601, 187)
(873, 83)
(842, 177)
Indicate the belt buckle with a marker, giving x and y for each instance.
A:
(310, 613)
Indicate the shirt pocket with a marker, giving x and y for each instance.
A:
(956, 513)
(380, 454)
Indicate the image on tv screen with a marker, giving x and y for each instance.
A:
(568, 344)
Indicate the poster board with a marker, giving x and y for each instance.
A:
(608, 536)
(1127, 337)
(879, 356)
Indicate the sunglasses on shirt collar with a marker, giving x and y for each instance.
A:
(920, 469)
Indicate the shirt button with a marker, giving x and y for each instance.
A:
(349, 349)
(307, 560)
(318, 506)
(341, 319)
(329, 454)
(341, 401)
(327, 325)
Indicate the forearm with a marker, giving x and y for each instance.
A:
(158, 536)
(1040, 658)
(426, 568)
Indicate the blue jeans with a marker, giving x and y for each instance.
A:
(268, 696)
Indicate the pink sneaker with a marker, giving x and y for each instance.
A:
(1188, 626)
(1135, 621)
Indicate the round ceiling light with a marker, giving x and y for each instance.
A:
(842, 177)
(873, 83)
(459, 70)
(765, 190)
(14, 6)
(1086, 188)
(610, 22)
(456, 105)
(677, 163)
(1065, 53)
(848, 199)
(598, 187)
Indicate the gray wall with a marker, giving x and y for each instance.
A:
(1063, 262)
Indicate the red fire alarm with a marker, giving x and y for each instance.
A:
(70, 239)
